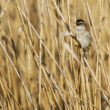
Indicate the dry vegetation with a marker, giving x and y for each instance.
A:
(41, 68)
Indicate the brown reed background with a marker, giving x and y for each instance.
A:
(40, 66)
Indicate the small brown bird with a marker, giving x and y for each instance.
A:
(83, 36)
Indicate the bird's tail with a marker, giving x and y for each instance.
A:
(85, 56)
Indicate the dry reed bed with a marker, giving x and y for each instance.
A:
(40, 67)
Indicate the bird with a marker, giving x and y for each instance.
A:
(83, 36)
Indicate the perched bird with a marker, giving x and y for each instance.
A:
(83, 36)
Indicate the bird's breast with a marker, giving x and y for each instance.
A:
(84, 39)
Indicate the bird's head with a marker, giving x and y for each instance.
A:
(80, 25)
(80, 22)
